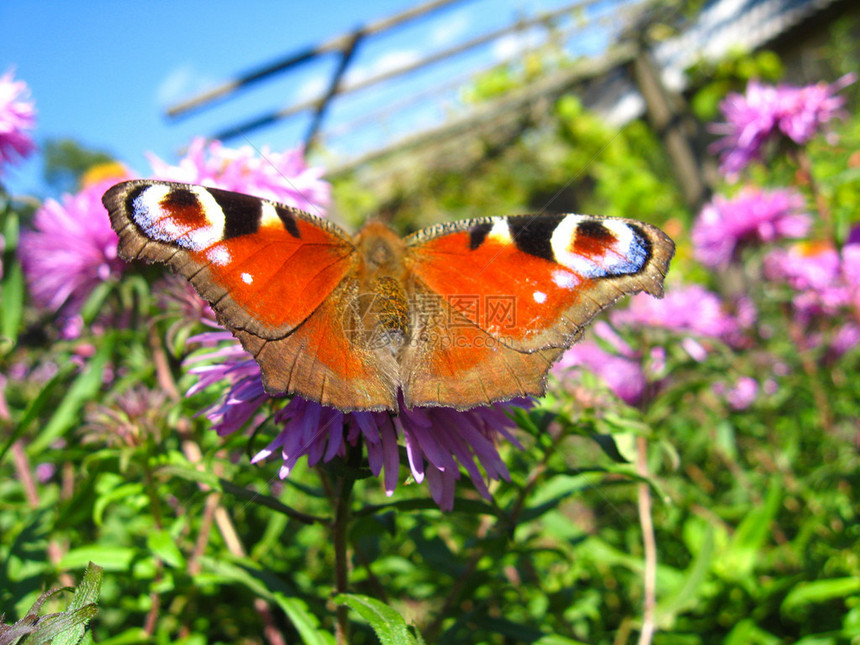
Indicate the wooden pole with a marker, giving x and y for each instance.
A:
(670, 123)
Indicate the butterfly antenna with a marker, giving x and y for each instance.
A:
(286, 179)
(579, 174)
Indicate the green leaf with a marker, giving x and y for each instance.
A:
(123, 491)
(83, 389)
(86, 595)
(131, 636)
(96, 300)
(66, 628)
(555, 639)
(743, 553)
(535, 421)
(609, 447)
(273, 589)
(89, 588)
(193, 474)
(746, 632)
(388, 625)
(225, 486)
(818, 591)
(162, 544)
(111, 558)
(305, 623)
(37, 405)
(12, 290)
(688, 593)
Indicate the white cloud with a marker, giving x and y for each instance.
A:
(312, 88)
(512, 45)
(450, 29)
(181, 83)
(385, 63)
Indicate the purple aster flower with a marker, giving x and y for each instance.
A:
(826, 282)
(71, 251)
(279, 176)
(439, 441)
(752, 216)
(4, 406)
(45, 472)
(851, 271)
(750, 121)
(805, 265)
(847, 337)
(632, 375)
(822, 278)
(623, 374)
(740, 395)
(691, 309)
(17, 116)
(806, 110)
(235, 367)
(766, 113)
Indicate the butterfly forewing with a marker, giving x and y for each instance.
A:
(534, 281)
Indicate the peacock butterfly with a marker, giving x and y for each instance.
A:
(459, 314)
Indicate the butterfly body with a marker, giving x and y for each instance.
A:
(459, 314)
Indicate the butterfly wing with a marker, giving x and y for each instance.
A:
(514, 292)
(453, 362)
(277, 277)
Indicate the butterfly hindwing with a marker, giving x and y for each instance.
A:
(453, 360)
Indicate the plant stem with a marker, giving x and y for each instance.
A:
(813, 376)
(645, 520)
(340, 534)
(151, 620)
(804, 164)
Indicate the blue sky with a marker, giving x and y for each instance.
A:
(103, 72)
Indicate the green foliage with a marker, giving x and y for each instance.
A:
(62, 628)
(388, 625)
(66, 162)
(628, 171)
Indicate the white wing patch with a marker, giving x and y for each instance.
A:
(269, 217)
(219, 255)
(501, 232)
(158, 224)
(565, 279)
(625, 255)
